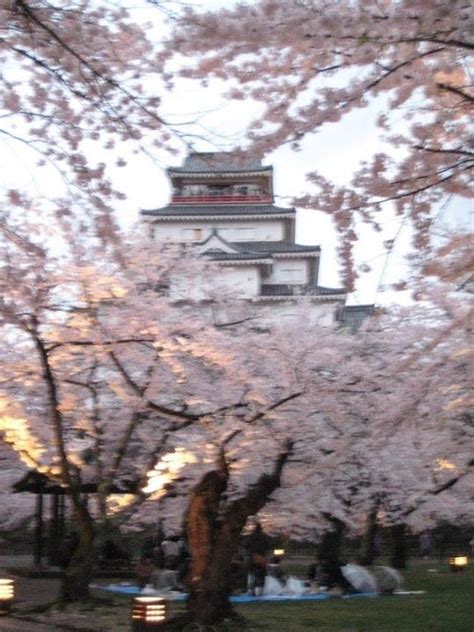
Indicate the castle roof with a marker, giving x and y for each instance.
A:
(228, 210)
(217, 162)
(274, 247)
(218, 248)
(286, 289)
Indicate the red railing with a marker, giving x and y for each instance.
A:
(221, 199)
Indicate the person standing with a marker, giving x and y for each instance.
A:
(257, 547)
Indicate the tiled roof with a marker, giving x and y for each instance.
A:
(295, 290)
(329, 290)
(228, 209)
(273, 246)
(35, 482)
(220, 255)
(214, 162)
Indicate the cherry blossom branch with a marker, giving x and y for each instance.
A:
(95, 343)
(138, 390)
(457, 91)
(95, 73)
(54, 406)
(439, 490)
(274, 406)
(441, 150)
(258, 493)
(393, 69)
(411, 193)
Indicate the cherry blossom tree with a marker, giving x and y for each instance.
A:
(80, 88)
(106, 382)
(107, 379)
(396, 436)
(382, 421)
(313, 62)
(65, 380)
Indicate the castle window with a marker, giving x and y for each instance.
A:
(191, 234)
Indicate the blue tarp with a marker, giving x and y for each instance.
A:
(128, 589)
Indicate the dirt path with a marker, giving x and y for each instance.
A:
(32, 593)
(12, 624)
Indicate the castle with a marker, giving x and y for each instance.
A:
(225, 208)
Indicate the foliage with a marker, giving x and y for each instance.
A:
(73, 105)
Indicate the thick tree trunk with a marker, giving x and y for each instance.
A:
(329, 550)
(398, 557)
(369, 550)
(213, 539)
(79, 571)
(208, 597)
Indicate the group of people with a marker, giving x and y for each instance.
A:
(259, 565)
(163, 563)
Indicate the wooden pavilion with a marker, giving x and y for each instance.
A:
(52, 530)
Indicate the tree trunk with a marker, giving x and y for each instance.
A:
(329, 550)
(79, 571)
(209, 602)
(214, 537)
(369, 550)
(398, 558)
(208, 596)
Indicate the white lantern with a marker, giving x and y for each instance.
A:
(148, 614)
(7, 592)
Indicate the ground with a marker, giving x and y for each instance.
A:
(445, 607)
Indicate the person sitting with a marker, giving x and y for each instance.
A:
(164, 579)
(274, 568)
(171, 550)
(144, 571)
(317, 573)
(238, 572)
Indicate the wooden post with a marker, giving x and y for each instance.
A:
(61, 516)
(38, 543)
(53, 536)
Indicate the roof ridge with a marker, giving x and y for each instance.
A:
(213, 209)
(218, 162)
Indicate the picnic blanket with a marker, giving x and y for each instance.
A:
(132, 590)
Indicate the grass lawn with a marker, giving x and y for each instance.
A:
(447, 606)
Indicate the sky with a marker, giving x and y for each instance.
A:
(336, 151)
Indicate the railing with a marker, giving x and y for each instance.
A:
(293, 289)
(221, 199)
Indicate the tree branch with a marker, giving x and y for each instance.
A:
(258, 493)
(274, 406)
(457, 91)
(442, 488)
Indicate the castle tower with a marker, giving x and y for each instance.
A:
(225, 208)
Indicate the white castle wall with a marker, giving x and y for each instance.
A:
(265, 313)
(291, 271)
(235, 230)
(242, 282)
(320, 314)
